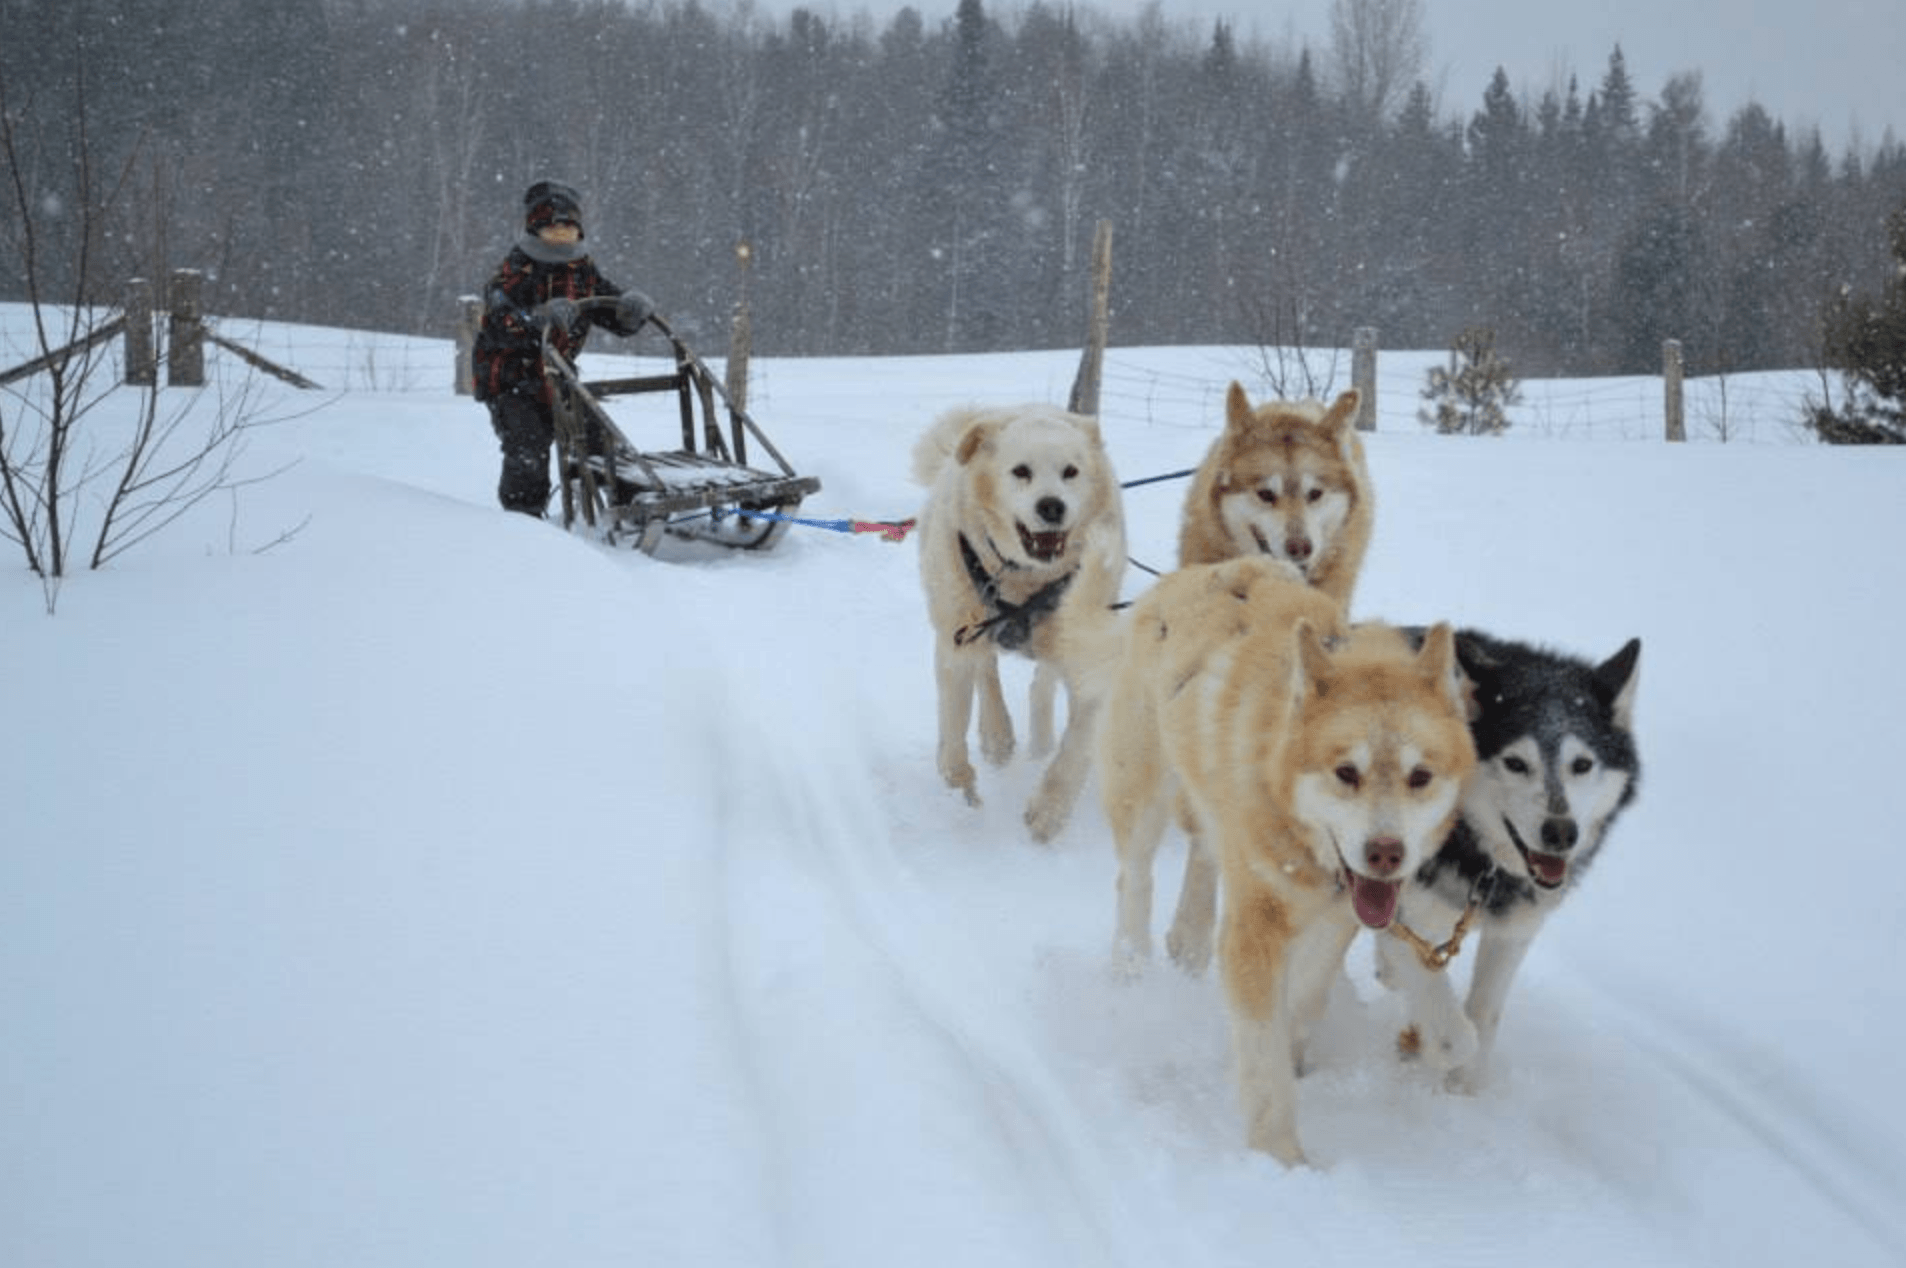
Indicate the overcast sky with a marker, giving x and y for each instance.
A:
(1833, 64)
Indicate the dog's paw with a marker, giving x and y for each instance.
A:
(1277, 1140)
(962, 779)
(996, 746)
(1046, 820)
(1129, 962)
(1441, 1051)
(1447, 1049)
(1464, 1080)
(1190, 952)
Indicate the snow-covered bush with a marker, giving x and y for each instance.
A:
(1471, 395)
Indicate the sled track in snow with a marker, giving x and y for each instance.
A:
(1816, 1158)
(809, 808)
(1033, 1112)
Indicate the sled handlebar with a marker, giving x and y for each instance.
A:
(599, 304)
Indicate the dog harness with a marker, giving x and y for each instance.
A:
(1010, 624)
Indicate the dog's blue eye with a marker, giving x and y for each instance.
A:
(1022, 472)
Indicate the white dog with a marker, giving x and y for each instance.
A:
(1022, 546)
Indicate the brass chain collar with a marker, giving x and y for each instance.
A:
(1436, 956)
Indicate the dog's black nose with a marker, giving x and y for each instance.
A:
(1558, 835)
(1051, 510)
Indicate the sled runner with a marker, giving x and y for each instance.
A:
(705, 490)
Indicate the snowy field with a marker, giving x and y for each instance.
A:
(439, 889)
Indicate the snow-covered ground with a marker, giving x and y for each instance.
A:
(437, 888)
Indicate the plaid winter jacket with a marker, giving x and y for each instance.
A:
(508, 354)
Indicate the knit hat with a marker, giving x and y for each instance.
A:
(550, 202)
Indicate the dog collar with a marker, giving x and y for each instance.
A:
(1010, 624)
(1436, 956)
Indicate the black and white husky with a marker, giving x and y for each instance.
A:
(1556, 763)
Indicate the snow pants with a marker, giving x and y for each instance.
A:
(525, 431)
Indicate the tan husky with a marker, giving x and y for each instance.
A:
(1320, 778)
(1285, 479)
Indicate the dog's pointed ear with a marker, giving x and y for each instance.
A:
(1342, 412)
(1617, 679)
(1438, 661)
(1311, 670)
(970, 443)
(1474, 655)
(1237, 407)
(1478, 667)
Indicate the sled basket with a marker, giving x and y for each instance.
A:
(705, 490)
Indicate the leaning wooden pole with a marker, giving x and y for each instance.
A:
(257, 362)
(1085, 387)
(99, 334)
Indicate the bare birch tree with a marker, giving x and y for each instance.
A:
(1378, 48)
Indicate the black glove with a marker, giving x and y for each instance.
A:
(559, 312)
(632, 309)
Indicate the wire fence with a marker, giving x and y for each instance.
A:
(1156, 386)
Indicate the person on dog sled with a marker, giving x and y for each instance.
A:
(540, 280)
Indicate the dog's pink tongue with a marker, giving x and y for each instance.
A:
(1374, 901)
(1548, 868)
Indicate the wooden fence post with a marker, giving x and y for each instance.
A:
(1363, 375)
(1085, 385)
(1671, 381)
(142, 367)
(469, 318)
(740, 337)
(185, 333)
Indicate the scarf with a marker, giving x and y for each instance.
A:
(549, 252)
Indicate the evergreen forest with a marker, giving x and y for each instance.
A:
(919, 184)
